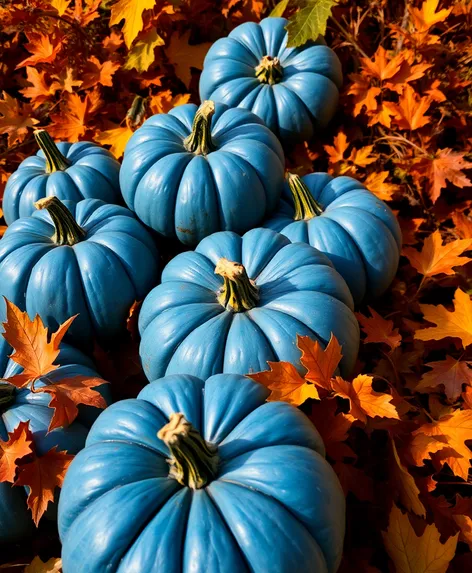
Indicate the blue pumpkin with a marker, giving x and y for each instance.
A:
(202, 477)
(265, 292)
(199, 170)
(69, 171)
(341, 218)
(294, 90)
(86, 258)
(21, 405)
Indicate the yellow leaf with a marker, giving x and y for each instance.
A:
(131, 11)
(376, 183)
(117, 137)
(53, 565)
(413, 554)
(141, 55)
(60, 5)
(184, 56)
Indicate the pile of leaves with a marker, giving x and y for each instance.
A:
(398, 432)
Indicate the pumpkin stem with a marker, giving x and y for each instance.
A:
(269, 71)
(199, 141)
(306, 207)
(194, 461)
(68, 232)
(7, 395)
(55, 161)
(238, 292)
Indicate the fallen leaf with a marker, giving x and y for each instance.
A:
(410, 111)
(97, 72)
(141, 55)
(53, 565)
(117, 137)
(15, 119)
(462, 225)
(131, 11)
(376, 183)
(457, 324)
(32, 349)
(321, 363)
(438, 258)
(71, 124)
(450, 373)
(41, 48)
(411, 553)
(404, 484)
(426, 16)
(379, 330)
(333, 428)
(164, 101)
(39, 91)
(14, 449)
(381, 66)
(337, 151)
(65, 82)
(184, 56)
(42, 476)
(60, 5)
(355, 480)
(365, 95)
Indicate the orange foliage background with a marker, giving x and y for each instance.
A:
(398, 434)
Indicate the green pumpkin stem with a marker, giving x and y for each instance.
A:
(238, 292)
(199, 141)
(194, 462)
(7, 395)
(68, 232)
(55, 161)
(269, 71)
(306, 207)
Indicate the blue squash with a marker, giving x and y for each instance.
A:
(70, 171)
(21, 405)
(87, 258)
(201, 477)
(199, 170)
(341, 218)
(265, 292)
(294, 90)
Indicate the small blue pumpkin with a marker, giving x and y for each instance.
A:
(201, 477)
(70, 171)
(86, 258)
(294, 90)
(194, 171)
(265, 292)
(21, 405)
(345, 221)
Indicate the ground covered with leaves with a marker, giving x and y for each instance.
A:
(398, 432)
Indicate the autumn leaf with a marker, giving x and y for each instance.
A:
(456, 324)
(462, 225)
(425, 17)
(411, 553)
(164, 101)
(60, 5)
(436, 258)
(381, 66)
(39, 91)
(32, 349)
(321, 363)
(404, 484)
(362, 157)
(333, 428)
(379, 329)
(309, 22)
(364, 94)
(285, 384)
(41, 48)
(53, 565)
(97, 72)
(184, 56)
(279, 9)
(117, 137)
(364, 400)
(376, 183)
(14, 449)
(15, 119)
(445, 165)
(450, 373)
(71, 124)
(410, 111)
(132, 320)
(131, 11)
(141, 55)
(64, 80)
(42, 476)
(354, 480)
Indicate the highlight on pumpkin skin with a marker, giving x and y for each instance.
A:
(269, 71)
(68, 232)
(238, 292)
(199, 141)
(55, 161)
(194, 461)
(306, 207)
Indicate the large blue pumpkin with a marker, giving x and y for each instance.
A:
(21, 405)
(87, 258)
(70, 171)
(294, 90)
(195, 171)
(265, 292)
(341, 218)
(201, 477)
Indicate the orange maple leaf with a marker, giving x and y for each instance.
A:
(425, 17)
(333, 428)
(41, 48)
(337, 151)
(364, 400)
(84, 14)
(71, 124)
(380, 66)
(285, 384)
(362, 157)
(184, 56)
(15, 119)
(462, 225)
(456, 324)
(32, 349)
(436, 258)
(321, 363)
(64, 80)
(67, 394)
(446, 165)
(404, 484)
(376, 183)
(164, 101)
(97, 72)
(364, 94)
(383, 115)
(117, 137)
(14, 449)
(451, 373)
(42, 476)
(39, 91)
(378, 329)
(409, 112)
